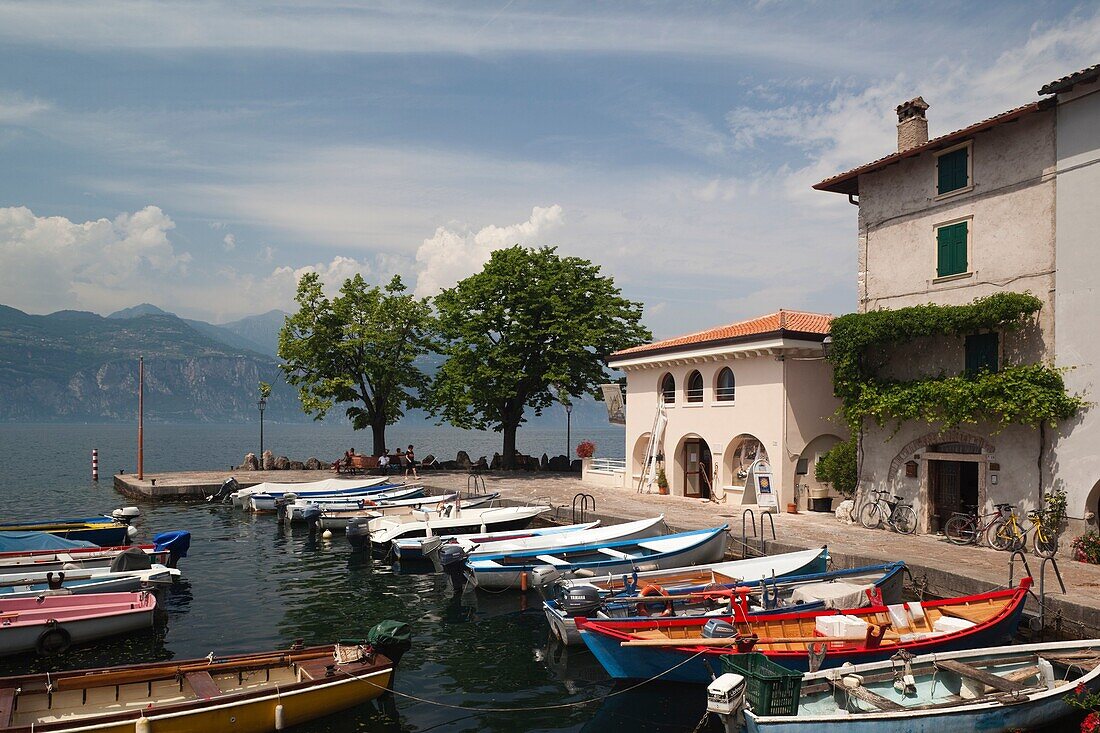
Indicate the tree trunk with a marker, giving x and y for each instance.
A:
(508, 458)
(379, 431)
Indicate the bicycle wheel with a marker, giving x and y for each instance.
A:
(904, 519)
(1003, 535)
(961, 530)
(870, 516)
(1046, 543)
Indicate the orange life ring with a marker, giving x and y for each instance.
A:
(652, 589)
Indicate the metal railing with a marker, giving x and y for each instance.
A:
(607, 465)
(746, 550)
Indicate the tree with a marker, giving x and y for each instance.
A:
(838, 467)
(357, 349)
(529, 324)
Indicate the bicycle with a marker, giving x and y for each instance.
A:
(1011, 536)
(966, 528)
(899, 516)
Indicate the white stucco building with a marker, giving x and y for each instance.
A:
(1005, 204)
(754, 389)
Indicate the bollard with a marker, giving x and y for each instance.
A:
(95, 464)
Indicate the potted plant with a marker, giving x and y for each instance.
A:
(838, 469)
(662, 481)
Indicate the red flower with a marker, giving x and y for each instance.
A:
(1080, 689)
(1091, 723)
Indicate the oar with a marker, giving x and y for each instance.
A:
(667, 597)
(733, 641)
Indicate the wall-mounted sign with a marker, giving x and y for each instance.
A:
(616, 405)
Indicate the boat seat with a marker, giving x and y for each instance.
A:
(203, 684)
(869, 697)
(616, 554)
(7, 706)
(1000, 684)
(551, 560)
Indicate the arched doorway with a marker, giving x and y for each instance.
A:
(953, 485)
(739, 455)
(693, 463)
(806, 485)
(637, 456)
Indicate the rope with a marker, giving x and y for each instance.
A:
(557, 706)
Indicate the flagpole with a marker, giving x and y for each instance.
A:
(141, 419)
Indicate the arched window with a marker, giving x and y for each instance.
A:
(726, 385)
(668, 389)
(694, 389)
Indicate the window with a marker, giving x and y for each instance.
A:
(952, 170)
(982, 353)
(951, 255)
(726, 385)
(694, 389)
(668, 389)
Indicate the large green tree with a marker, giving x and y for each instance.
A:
(530, 326)
(358, 349)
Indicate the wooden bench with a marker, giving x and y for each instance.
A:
(203, 685)
(7, 706)
(1000, 684)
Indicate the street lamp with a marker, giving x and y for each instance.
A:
(826, 346)
(568, 428)
(262, 403)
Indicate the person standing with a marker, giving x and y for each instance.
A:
(410, 463)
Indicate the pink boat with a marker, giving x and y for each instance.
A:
(51, 624)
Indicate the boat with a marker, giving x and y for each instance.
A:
(103, 531)
(249, 693)
(535, 568)
(995, 690)
(380, 532)
(239, 498)
(567, 599)
(424, 548)
(131, 570)
(293, 511)
(51, 624)
(270, 501)
(638, 529)
(338, 519)
(683, 649)
(167, 549)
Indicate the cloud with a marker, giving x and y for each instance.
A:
(85, 264)
(454, 253)
(230, 242)
(15, 108)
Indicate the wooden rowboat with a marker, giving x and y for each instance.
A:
(103, 531)
(244, 693)
(677, 650)
(50, 624)
(994, 690)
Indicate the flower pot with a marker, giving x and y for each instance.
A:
(821, 504)
(792, 509)
(662, 490)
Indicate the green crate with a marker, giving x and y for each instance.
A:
(770, 688)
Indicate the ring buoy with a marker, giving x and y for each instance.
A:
(55, 639)
(647, 609)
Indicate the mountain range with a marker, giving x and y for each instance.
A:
(80, 366)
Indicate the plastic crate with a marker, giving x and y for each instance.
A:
(770, 688)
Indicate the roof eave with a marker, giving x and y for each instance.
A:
(780, 333)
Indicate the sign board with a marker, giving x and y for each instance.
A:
(616, 405)
(759, 482)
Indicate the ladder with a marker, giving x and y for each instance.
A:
(656, 438)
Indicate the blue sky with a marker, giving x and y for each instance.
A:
(202, 155)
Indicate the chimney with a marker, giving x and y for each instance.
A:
(912, 124)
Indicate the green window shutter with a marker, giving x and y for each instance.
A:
(951, 170)
(982, 352)
(951, 250)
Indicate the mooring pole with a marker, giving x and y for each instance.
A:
(95, 464)
(141, 418)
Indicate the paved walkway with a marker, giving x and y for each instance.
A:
(944, 568)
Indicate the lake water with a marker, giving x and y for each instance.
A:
(250, 584)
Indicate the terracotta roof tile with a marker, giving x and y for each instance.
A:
(848, 182)
(1068, 81)
(770, 325)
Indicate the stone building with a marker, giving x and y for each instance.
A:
(1004, 204)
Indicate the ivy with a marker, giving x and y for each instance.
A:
(1018, 394)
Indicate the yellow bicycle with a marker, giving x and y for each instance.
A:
(1008, 534)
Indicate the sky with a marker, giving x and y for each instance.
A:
(202, 155)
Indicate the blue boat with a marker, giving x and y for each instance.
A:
(685, 650)
(102, 531)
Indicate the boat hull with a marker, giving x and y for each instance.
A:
(104, 534)
(382, 549)
(16, 638)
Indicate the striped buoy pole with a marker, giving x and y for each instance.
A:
(95, 464)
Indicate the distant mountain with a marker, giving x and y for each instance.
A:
(73, 365)
(227, 336)
(136, 311)
(262, 330)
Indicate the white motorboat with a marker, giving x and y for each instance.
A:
(293, 511)
(380, 532)
(638, 529)
(329, 486)
(441, 505)
(421, 548)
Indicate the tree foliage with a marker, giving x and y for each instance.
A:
(1023, 394)
(838, 467)
(357, 349)
(529, 326)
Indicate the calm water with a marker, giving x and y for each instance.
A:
(250, 585)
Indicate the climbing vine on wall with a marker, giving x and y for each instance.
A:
(1019, 394)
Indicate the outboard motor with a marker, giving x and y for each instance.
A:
(228, 487)
(126, 514)
(312, 515)
(580, 600)
(391, 638)
(55, 583)
(716, 628)
(453, 559)
(177, 542)
(358, 532)
(543, 575)
(132, 559)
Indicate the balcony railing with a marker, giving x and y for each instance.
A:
(607, 465)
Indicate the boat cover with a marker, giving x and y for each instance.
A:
(834, 594)
(28, 541)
